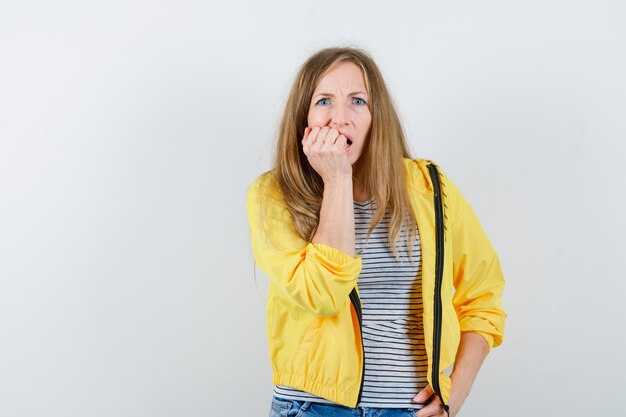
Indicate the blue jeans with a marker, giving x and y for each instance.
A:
(291, 408)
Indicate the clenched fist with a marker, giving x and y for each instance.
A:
(325, 148)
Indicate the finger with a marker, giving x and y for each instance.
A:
(320, 139)
(307, 131)
(432, 409)
(331, 138)
(315, 132)
(342, 142)
(322, 135)
(332, 135)
(424, 394)
(310, 139)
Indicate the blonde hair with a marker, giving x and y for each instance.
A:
(381, 161)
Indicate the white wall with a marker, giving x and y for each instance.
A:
(129, 132)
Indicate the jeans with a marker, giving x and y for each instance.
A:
(291, 408)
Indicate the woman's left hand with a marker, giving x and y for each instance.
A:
(472, 351)
(434, 407)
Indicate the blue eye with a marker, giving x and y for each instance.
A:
(323, 101)
(359, 101)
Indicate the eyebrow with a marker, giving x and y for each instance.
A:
(332, 95)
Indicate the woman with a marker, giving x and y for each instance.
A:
(381, 276)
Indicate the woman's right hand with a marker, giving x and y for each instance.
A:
(325, 149)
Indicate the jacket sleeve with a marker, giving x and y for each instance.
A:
(477, 274)
(315, 277)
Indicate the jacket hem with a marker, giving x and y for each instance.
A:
(302, 382)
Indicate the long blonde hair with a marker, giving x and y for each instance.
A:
(381, 161)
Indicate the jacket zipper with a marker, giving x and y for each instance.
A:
(356, 302)
(439, 230)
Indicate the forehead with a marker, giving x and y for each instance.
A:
(344, 76)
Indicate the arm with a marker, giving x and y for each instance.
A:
(478, 278)
(317, 276)
(470, 356)
(473, 350)
(325, 151)
(314, 276)
(478, 283)
(336, 224)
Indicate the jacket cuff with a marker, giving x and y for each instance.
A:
(333, 255)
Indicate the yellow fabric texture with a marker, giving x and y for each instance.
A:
(312, 329)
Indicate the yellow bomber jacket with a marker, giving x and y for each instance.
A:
(313, 310)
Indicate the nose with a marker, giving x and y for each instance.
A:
(339, 116)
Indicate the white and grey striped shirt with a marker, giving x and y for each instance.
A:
(393, 335)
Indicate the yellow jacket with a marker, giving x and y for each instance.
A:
(313, 309)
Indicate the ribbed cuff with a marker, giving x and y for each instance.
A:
(332, 254)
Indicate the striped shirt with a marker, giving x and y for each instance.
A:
(393, 337)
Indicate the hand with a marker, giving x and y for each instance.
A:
(325, 149)
(434, 407)
(472, 351)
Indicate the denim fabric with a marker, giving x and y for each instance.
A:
(291, 408)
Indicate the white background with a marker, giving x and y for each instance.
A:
(129, 132)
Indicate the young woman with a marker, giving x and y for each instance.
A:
(381, 276)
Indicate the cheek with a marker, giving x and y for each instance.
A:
(365, 124)
(317, 117)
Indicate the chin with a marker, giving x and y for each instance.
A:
(354, 158)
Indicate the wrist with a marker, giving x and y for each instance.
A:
(460, 386)
(338, 181)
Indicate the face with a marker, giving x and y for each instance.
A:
(340, 101)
